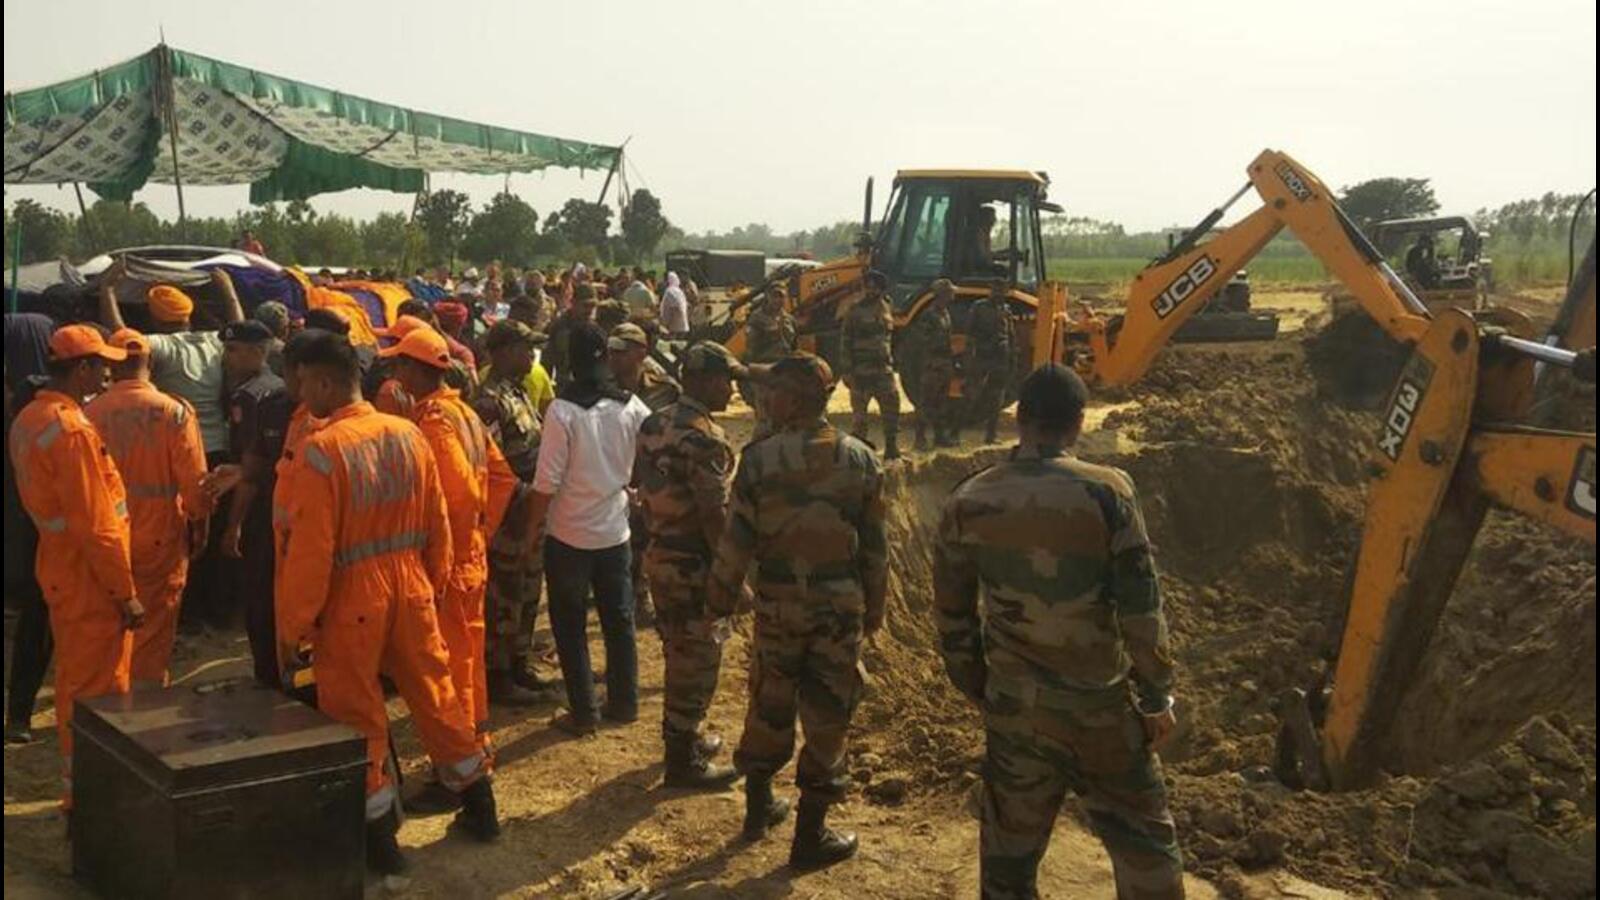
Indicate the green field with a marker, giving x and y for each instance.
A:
(1512, 270)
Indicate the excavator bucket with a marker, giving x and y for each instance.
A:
(1423, 513)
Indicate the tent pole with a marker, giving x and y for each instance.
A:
(615, 165)
(171, 105)
(83, 212)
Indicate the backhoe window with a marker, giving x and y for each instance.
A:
(915, 237)
(1026, 242)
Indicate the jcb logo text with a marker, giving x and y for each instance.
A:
(1184, 286)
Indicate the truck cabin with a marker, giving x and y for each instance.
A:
(971, 226)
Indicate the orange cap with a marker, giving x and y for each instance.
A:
(423, 345)
(131, 341)
(404, 326)
(77, 341)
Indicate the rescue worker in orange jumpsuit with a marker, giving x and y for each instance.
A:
(367, 551)
(154, 439)
(477, 483)
(70, 488)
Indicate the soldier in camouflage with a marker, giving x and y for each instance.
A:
(808, 510)
(516, 565)
(988, 359)
(769, 334)
(867, 362)
(628, 347)
(929, 338)
(684, 471)
(1050, 621)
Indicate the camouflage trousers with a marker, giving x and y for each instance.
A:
(511, 603)
(689, 640)
(639, 547)
(986, 386)
(1039, 748)
(879, 386)
(937, 408)
(805, 661)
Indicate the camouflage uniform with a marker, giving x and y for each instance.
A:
(1050, 619)
(769, 336)
(988, 360)
(516, 567)
(867, 365)
(808, 508)
(685, 466)
(929, 336)
(658, 390)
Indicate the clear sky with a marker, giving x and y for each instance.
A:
(743, 111)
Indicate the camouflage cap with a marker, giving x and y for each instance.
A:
(506, 332)
(627, 336)
(805, 374)
(711, 357)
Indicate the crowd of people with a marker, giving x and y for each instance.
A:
(399, 512)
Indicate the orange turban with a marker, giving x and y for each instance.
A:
(168, 304)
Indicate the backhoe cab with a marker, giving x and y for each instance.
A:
(973, 227)
(1441, 259)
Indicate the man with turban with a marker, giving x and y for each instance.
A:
(187, 364)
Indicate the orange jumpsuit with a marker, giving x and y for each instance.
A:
(71, 490)
(477, 485)
(154, 438)
(302, 424)
(367, 549)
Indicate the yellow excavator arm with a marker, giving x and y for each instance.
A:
(1164, 295)
(1444, 455)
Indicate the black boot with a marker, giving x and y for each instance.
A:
(891, 445)
(687, 769)
(919, 440)
(991, 431)
(707, 746)
(383, 847)
(477, 817)
(761, 810)
(815, 844)
(432, 800)
(504, 690)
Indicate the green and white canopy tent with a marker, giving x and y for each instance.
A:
(180, 118)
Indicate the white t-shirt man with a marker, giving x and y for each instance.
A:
(188, 364)
(585, 464)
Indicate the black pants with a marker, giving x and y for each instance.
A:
(32, 645)
(570, 575)
(208, 596)
(253, 583)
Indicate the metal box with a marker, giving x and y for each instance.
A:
(221, 790)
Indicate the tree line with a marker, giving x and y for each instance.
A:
(1527, 238)
(443, 229)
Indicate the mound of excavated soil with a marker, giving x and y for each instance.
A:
(1252, 480)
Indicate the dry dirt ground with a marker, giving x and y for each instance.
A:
(1251, 478)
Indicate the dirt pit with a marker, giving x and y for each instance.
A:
(1252, 484)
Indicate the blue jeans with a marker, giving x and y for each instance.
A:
(570, 575)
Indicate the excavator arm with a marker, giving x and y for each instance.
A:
(1443, 459)
(1175, 287)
